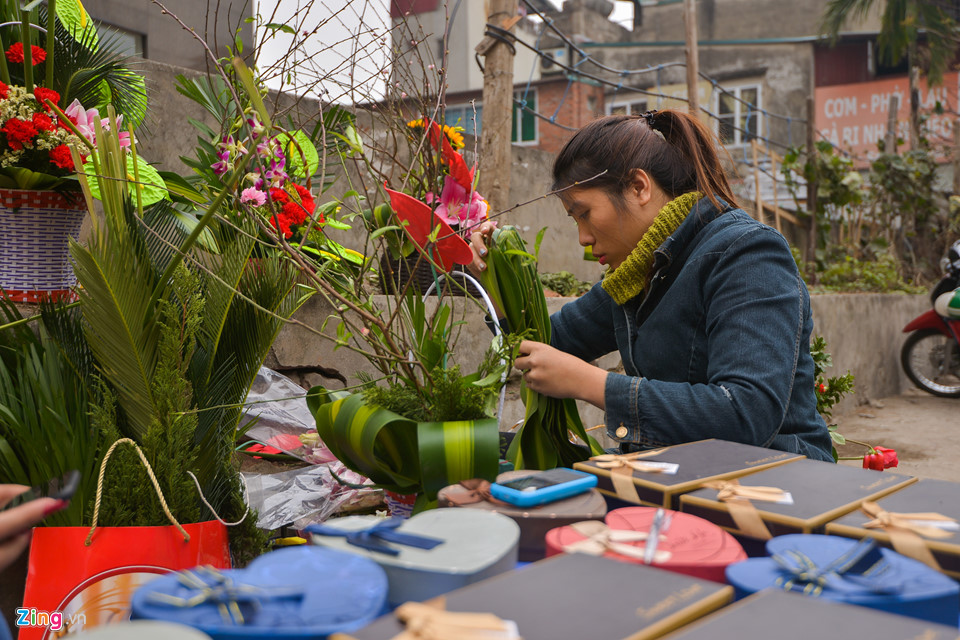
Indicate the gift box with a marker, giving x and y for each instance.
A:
(788, 616)
(289, 594)
(430, 553)
(688, 544)
(656, 478)
(852, 572)
(580, 596)
(534, 522)
(928, 511)
(800, 497)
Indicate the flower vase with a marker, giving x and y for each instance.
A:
(35, 232)
(400, 505)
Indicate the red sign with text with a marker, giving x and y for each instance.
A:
(854, 116)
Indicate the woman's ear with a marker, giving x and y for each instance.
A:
(641, 187)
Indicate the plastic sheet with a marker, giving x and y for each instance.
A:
(301, 496)
(278, 408)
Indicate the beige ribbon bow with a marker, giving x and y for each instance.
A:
(905, 530)
(622, 466)
(426, 622)
(738, 500)
(599, 538)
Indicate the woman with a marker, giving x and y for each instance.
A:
(705, 304)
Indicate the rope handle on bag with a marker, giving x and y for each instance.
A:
(153, 479)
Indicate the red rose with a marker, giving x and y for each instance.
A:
(15, 53)
(43, 122)
(19, 132)
(60, 156)
(42, 94)
(873, 461)
(4, 91)
(889, 457)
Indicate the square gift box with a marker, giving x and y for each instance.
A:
(920, 499)
(682, 468)
(790, 616)
(850, 571)
(818, 492)
(534, 522)
(576, 596)
(463, 546)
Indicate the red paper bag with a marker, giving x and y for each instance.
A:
(86, 587)
(84, 577)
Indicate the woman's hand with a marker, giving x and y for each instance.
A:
(15, 523)
(479, 241)
(558, 374)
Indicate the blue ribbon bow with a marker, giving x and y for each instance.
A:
(230, 598)
(863, 565)
(376, 537)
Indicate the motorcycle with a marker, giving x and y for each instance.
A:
(931, 354)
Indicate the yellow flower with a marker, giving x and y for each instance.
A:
(453, 134)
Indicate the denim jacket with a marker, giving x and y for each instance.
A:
(716, 346)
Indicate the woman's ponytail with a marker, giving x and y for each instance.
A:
(698, 146)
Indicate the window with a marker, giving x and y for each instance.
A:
(127, 43)
(626, 108)
(466, 116)
(524, 118)
(738, 112)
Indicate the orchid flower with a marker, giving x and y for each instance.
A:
(84, 120)
(454, 208)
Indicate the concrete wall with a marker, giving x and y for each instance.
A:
(863, 334)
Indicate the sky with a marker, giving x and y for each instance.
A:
(338, 44)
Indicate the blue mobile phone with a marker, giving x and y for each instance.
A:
(541, 487)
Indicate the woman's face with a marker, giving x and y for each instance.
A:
(611, 233)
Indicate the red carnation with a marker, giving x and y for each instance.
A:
(43, 122)
(284, 220)
(279, 195)
(42, 94)
(4, 91)
(19, 132)
(15, 53)
(60, 156)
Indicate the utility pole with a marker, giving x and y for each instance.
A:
(812, 156)
(890, 140)
(693, 57)
(496, 157)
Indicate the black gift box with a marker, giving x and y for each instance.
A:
(699, 462)
(821, 491)
(580, 596)
(937, 496)
(773, 613)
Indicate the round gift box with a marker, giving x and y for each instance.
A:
(297, 593)
(697, 547)
(894, 583)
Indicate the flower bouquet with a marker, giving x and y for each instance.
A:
(51, 57)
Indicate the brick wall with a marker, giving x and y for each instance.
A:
(579, 104)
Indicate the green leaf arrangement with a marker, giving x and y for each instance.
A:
(399, 454)
(511, 279)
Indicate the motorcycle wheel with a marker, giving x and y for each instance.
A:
(932, 362)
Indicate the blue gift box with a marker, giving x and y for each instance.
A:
(850, 571)
(293, 593)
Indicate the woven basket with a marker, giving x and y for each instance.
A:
(35, 232)
(394, 275)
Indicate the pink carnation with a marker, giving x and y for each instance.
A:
(254, 195)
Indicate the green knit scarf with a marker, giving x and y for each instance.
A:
(629, 279)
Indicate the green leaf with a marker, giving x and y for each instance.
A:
(76, 21)
(152, 187)
(277, 26)
(302, 157)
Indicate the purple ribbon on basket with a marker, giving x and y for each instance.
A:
(376, 537)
